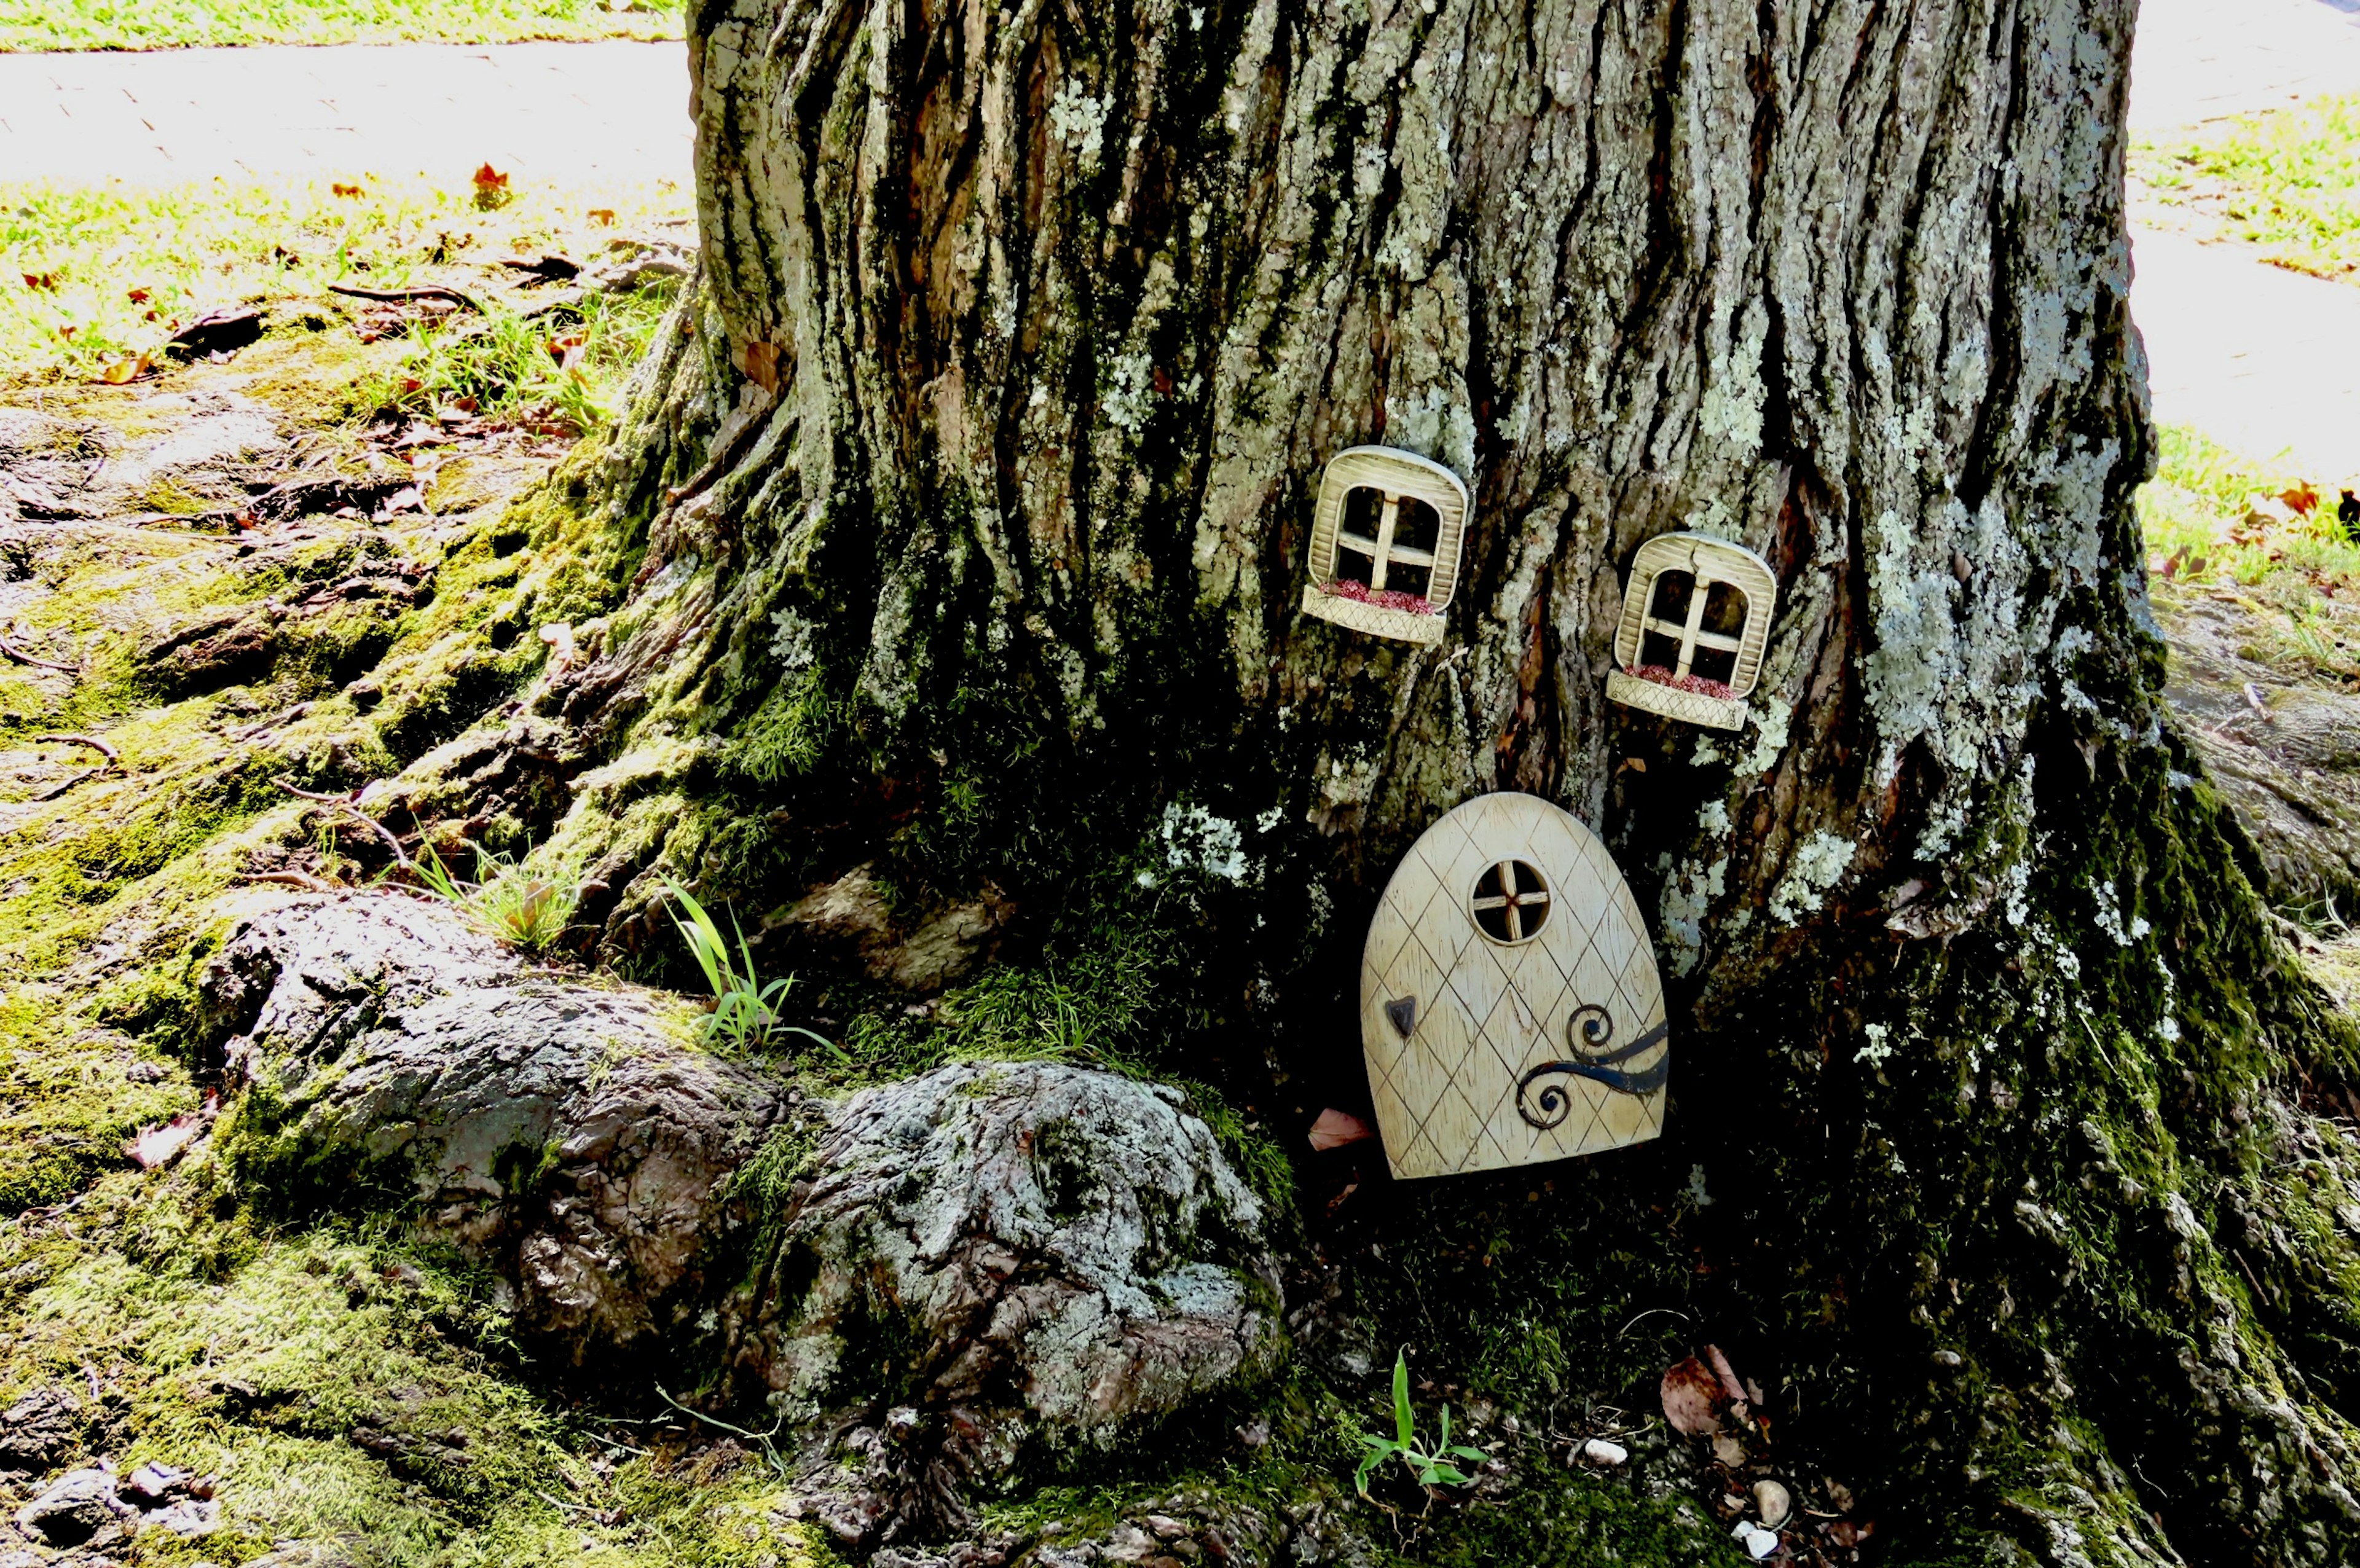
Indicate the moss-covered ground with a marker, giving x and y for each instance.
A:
(348, 1390)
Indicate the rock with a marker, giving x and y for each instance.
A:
(1063, 1251)
(39, 1429)
(925, 954)
(1728, 1449)
(153, 1485)
(1758, 1542)
(190, 1518)
(1129, 1544)
(563, 1133)
(1165, 1527)
(1606, 1455)
(1772, 1503)
(72, 1508)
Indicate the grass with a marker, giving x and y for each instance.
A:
(526, 909)
(89, 275)
(2195, 511)
(2286, 181)
(34, 25)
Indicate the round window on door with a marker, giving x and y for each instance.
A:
(1511, 902)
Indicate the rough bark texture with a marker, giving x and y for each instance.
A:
(975, 479)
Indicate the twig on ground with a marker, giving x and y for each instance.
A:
(346, 804)
(404, 296)
(21, 657)
(562, 1503)
(95, 745)
(325, 798)
(303, 879)
(55, 790)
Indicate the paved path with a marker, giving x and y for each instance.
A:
(2264, 361)
(587, 114)
(2201, 60)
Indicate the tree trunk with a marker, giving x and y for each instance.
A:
(975, 481)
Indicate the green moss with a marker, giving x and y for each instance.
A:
(344, 1386)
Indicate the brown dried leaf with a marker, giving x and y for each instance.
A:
(1693, 1398)
(1336, 1128)
(1730, 1383)
(762, 365)
(161, 1145)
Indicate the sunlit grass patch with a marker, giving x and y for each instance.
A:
(506, 364)
(2210, 513)
(89, 275)
(27, 25)
(2287, 180)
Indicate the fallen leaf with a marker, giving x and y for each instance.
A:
(603, 216)
(68, 332)
(127, 369)
(47, 280)
(1730, 1382)
(140, 295)
(1336, 1128)
(1692, 1397)
(762, 365)
(568, 350)
(491, 188)
(223, 331)
(405, 499)
(342, 190)
(161, 1145)
(2302, 496)
(546, 269)
(466, 405)
(411, 384)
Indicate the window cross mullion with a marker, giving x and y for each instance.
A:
(1700, 590)
(1386, 521)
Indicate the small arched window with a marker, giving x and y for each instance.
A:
(1696, 616)
(1385, 543)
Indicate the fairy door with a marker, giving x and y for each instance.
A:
(1510, 1009)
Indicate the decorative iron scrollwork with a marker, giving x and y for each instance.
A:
(1586, 1032)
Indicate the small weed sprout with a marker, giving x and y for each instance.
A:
(768, 1441)
(1427, 1467)
(527, 912)
(745, 1011)
(435, 878)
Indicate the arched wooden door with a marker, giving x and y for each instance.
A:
(1509, 1007)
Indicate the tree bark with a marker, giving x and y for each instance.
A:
(974, 480)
